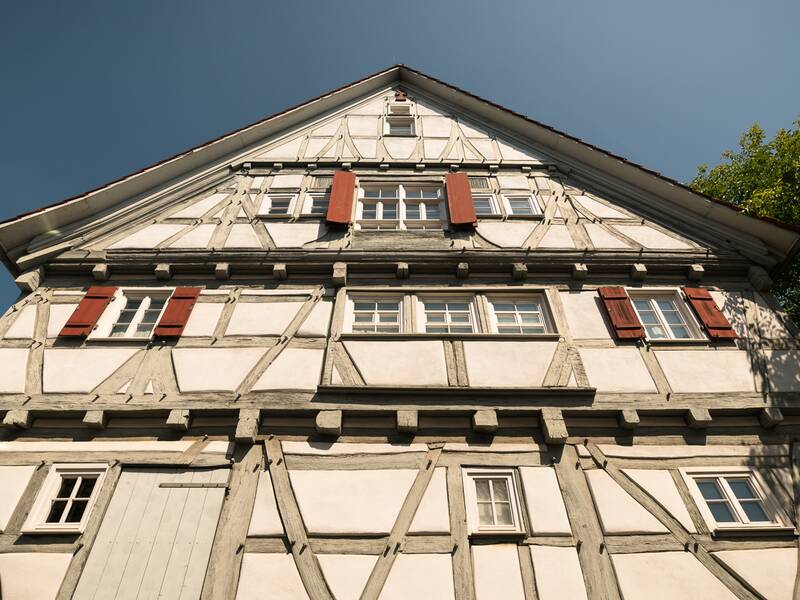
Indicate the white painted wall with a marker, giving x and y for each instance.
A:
(318, 321)
(13, 481)
(293, 369)
(346, 574)
(59, 315)
(771, 571)
(29, 576)
(22, 327)
(707, 370)
(262, 318)
(660, 485)
(81, 369)
(433, 514)
(618, 511)
(508, 363)
(616, 370)
(265, 520)
(585, 315)
(558, 574)
(148, 237)
(546, 511)
(203, 319)
(12, 374)
(272, 576)
(399, 363)
(497, 572)
(420, 576)
(213, 369)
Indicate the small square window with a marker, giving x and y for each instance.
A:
(317, 203)
(403, 126)
(132, 314)
(377, 315)
(522, 205)
(732, 498)
(66, 499)
(492, 501)
(484, 204)
(665, 316)
(449, 315)
(520, 315)
(276, 205)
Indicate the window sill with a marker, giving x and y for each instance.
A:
(120, 340)
(450, 336)
(400, 135)
(754, 531)
(673, 342)
(275, 217)
(497, 217)
(498, 535)
(51, 531)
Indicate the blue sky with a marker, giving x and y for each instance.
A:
(92, 90)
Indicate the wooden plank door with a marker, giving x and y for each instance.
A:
(155, 539)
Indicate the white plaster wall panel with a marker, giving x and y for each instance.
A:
(363, 126)
(13, 481)
(346, 574)
(707, 370)
(769, 324)
(420, 576)
(433, 126)
(585, 316)
(505, 235)
(213, 369)
(400, 147)
(616, 370)
(546, 511)
(22, 327)
(203, 319)
(557, 236)
(432, 149)
(497, 573)
(149, 237)
(126, 446)
(351, 502)
(660, 485)
(675, 451)
(59, 314)
(601, 238)
(508, 364)
(399, 363)
(782, 370)
(513, 182)
(265, 521)
(618, 511)
(730, 303)
(30, 576)
(771, 571)
(666, 576)
(432, 515)
(373, 107)
(286, 180)
(195, 210)
(285, 150)
(485, 147)
(472, 131)
(199, 237)
(347, 448)
(512, 153)
(328, 128)
(293, 369)
(598, 209)
(318, 321)
(651, 238)
(242, 235)
(295, 235)
(558, 573)
(262, 318)
(81, 369)
(272, 576)
(219, 447)
(423, 108)
(315, 146)
(367, 148)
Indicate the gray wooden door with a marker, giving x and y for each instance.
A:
(156, 537)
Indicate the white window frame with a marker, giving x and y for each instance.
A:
(309, 202)
(493, 206)
(402, 223)
(266, 205)
(539, 298)
(422, 317)
(349, 320)
(470, 474)
(683, 309)
(390, 119)
(111, 314)
(36, 521)
(533, 202)
(778, 520)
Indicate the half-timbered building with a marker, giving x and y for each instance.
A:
(397, 342)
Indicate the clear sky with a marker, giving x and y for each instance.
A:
(92, 90)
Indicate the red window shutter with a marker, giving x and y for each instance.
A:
(620, 311)
(177, 313)
(709, 314)
(83, 320)
(340, 205)
(459, 199)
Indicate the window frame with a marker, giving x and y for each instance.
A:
(402, 223)
(693, 326)
(112, 312)
(308, 203)
(540, 298)
(471, 299)
(493, 204)
(36, 521)
(511, 475)
(265, 205)
(390, 119)
(349, 320)
(537, 212)
(778, 520)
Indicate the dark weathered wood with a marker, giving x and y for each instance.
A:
(462, 559)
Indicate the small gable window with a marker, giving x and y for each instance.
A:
(276, 205)
(400, 207)
(665, 316)
(485, 204)
(132, 314)
(522, 205)
(400, 126)
(492, 500)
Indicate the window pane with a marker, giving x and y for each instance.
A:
(500, 489)
(721, 512)
(504, 517)
(754, 511)
(742, 489)
(389, 211)
(86, 487)
(482, 489)
(710, 490)
(432, 212)
(412, 211)
(66, 487)
(388, 306)
(76, 511)
(483, 205)
(364, 305)
(440, 306)
(485, 516)
(56, 510)
(370, 211)
(520, 206)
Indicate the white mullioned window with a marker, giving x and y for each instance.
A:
(377, 315)
(275, 204)
(449, 315)
(132, 313)
(522, 204)
(665, 316)
(66, 498)
(493, 501)
(732, 498)
(524, 315)
(383, 206)
(485, 204)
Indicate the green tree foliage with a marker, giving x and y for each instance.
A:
(763, 178)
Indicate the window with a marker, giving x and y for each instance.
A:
(401, 207)
(448, 316)
(380, 315)
(665, 316)
(479, 183)
(132, 313)
(400, 125)
(317, 203)
(484, 204)
(492, 501)
(732, 499)
(522, 205)
(276, 205)
(65, 499)
(519, 315)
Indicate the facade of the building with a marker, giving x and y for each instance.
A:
(402, 343)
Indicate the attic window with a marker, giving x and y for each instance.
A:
(400, 126)
(479, 183)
